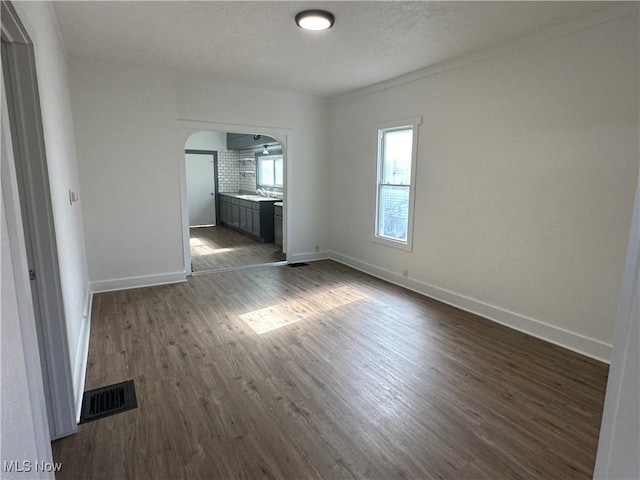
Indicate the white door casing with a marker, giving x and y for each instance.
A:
(24, 122)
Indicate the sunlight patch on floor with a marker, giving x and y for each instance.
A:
(292, 311)
(200, 248)
(196, 242)
(271, 318)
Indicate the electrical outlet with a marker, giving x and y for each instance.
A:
(405, 272)
(317, 248)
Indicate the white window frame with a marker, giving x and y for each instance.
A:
(273, 158)
(411, 123)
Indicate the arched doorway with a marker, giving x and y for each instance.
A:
(235, 195)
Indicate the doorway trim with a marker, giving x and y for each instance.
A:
(36, 210)
(283, 135)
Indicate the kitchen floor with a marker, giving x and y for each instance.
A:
(218, 247)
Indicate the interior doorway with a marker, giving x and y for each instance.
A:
(237, 220)
(202, 187)
(21, 99)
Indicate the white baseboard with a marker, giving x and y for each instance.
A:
(307, 257)
(82, 353)
(564, 338)
(137, 282)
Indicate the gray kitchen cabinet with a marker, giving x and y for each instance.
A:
(254, 218)
(225, 209)
(221, 207)
(255, 224)
(246, 215)
(235, 215)
(229, 214)
(242, 211)
(277, 224)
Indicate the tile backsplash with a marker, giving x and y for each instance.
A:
(237, 171)
(247, 170)
(230, 165)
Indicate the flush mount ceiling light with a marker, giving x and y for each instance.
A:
(315, 20)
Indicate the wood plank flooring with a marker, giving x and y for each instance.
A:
(218, 247)
(352, 378)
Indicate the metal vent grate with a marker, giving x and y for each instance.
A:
(105, 401)
(297, 264)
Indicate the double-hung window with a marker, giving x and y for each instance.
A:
(397, 145)
(270, 172)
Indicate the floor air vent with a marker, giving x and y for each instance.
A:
(298, 264)
(105, 401)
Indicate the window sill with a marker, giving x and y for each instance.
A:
(407, 247)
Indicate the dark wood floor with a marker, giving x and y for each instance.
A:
(351, 378)
(218, 247)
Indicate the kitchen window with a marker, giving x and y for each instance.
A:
(397, 145)
(270, 173)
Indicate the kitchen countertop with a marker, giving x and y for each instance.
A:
(252, 198)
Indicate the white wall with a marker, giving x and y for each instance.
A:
(125, 138)
(131, 150)
(527, 162)
(53, 83)
(207, 141)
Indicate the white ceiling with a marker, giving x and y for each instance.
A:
(258, 43)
